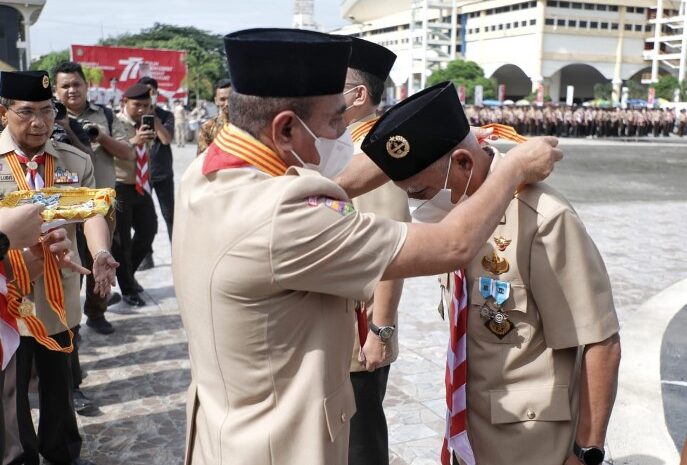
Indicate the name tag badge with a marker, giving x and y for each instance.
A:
(64, 176)
(6, 178)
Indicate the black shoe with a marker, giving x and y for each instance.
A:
(147, 263)
(137, 286)
(83, 405)
(134, 300)
(100, 325)
(114, 299)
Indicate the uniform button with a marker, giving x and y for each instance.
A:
(343, 417)
(530, 414)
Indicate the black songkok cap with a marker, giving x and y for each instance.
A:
(29, 86)
(287, 62)
(137, 92)
(417, 132)
(371, 58)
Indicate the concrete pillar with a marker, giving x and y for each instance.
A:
(683, 57)
(539, 41)
(657, 41)
(425, 36)
(617, 78)
(554, 85)
(454, 26)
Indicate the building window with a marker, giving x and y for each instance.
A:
(612, 8)
(476, 30)
(523, 23)
(639, 10)
(594, 24)
(516, 7)
(560, 22)
(553, 3)
(614, 26)
(508, 26)
(500, 27)
(583, 24)
(638, 28)
(630, 9)
(604, 25)
(601, 7)
(564, 4)
(533, 4)
(628, 27)
(588, 6)
(572, 23)
(533, 22)
(576, 5)
(549, 22)
(493, 28)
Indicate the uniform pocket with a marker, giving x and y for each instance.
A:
(339, 407)
(550, 403)
(515, 308)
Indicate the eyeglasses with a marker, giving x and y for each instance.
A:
(29, 115)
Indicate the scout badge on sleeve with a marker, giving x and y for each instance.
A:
(495, 294)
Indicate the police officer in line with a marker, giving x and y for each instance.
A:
(30, 160)
(71, 89)
(368, 69)
(269, 255)
(135, 208)
(542, 348)
(161, 163)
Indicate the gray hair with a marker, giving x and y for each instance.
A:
(5, 102)
(253, 114)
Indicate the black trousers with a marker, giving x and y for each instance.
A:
(138, 212)
(369, 442)
(58, 437)
(164, 190)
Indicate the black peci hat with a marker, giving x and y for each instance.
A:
(29, 86)
(417, 132)
(371, 58)
(287, 62)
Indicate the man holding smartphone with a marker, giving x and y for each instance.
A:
(136, 209)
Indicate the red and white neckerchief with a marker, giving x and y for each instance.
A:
(9, 331)
(456, 438)
(142, 170)
(33, 177)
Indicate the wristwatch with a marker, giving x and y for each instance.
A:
(589, 455)
(4, 245)
(384, 332)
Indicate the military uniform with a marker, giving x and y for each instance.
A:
(58, 439)
(135, 210)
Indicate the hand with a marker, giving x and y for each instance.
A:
(60, 245)
(104, 267)
(376, 353)
(534, 159)
(572, 460)
(22, 225)
(143, 134)
(482, 134)
(102, 132)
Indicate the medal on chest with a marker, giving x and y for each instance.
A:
(495, 293)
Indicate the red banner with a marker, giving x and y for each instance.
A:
(123, 66)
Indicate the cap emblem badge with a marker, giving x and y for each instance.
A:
(397, 146)
(46, 82)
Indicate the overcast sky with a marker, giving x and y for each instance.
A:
(65, 22)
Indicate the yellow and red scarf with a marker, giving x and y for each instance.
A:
(21, 285)
(361, 130)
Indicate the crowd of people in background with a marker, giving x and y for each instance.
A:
(580, 121)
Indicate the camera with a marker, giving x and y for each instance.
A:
(91, 129)
(61, 110)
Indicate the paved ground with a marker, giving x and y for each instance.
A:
(632, 198)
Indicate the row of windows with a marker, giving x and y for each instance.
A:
(505, 9)
(580, 6)
(501, 27)
(585, 24)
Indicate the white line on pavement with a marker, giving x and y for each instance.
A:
(675, 383)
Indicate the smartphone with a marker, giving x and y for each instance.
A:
(148, 120)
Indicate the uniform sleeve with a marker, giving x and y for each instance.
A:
(570, 284)
(168, 123)
(387, 200)
(322, 245)
(88, 179)
(119, 132)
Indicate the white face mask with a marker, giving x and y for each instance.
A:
(335, 154)
(435, 209)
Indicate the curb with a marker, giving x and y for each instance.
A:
(637, 432)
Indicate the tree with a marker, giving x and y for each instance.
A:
(603, 91)
(50, 61)
(465, 73)
(665, 87)
(94, 75)
(637, 90)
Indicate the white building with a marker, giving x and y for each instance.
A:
(521, 44)
(16, 17)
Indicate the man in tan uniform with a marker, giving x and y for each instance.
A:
(268, 260)
(368, 68)
(210, 129)
(542, 333)
(29, 160)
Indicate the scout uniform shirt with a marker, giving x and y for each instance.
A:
(387, 201)
(103, 162)
(266, 269)
(125, 170)
(522, 389)
(73, 168)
